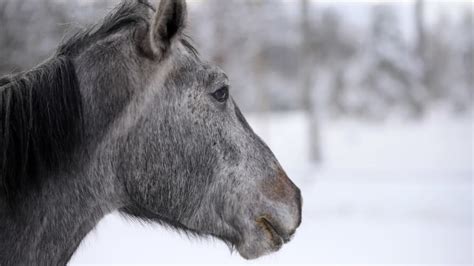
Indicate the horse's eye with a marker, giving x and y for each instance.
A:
(221, 95)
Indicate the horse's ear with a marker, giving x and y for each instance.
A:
(169, 21)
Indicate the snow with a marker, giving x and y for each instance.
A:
(397, 192)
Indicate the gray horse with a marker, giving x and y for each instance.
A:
(127, 117)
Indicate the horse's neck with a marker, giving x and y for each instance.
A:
(49, 225)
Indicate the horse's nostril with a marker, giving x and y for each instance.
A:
(275, 228)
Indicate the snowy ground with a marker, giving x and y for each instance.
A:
(400, 192)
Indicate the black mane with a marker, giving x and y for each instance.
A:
(40, 118)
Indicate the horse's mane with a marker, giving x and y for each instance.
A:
(40, 122)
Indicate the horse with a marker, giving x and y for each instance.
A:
(127, 117)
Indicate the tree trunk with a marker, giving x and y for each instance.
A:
(421, 45)
(421, 36)
(308, 73)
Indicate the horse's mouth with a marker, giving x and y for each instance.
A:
(276, 235)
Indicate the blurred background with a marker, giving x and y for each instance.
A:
(367, 104)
